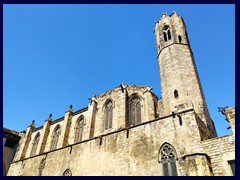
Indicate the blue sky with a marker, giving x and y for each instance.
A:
(58, 55)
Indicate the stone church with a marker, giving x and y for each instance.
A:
(129, 131)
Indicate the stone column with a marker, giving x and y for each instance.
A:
(67, 125)
(92, 108)
(44, 135)
(149, 105)
(26, 140)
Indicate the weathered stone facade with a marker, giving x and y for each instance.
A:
(129, 131)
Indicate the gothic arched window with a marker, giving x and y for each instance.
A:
(166, 33)
(108, 114)
(134, 110)
(79, 129)
(35, 144)
(55, 137)
(168, 159)
(67, 172)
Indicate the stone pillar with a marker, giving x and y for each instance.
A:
(44, 135)
(67, 125)
(149, 105)
(123, 107)
(92, 108)
(197, 164)
(26, 140)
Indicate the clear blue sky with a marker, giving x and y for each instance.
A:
(57, 55)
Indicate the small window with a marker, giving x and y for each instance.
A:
(176, 94)
(179, 39)
(232, 166)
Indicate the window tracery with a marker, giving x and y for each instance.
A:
(168, 160)
(134, 110)
(55, 137)
(79, 129)
(35, 144)
(166, 33)
(108, 115)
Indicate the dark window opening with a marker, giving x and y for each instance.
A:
(176, 94)
(179, 38)
(165, 36)
(180, 120)
(169, 35)
(166, 33)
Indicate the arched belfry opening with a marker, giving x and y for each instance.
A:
(166, 33)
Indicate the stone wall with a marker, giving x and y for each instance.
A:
(132, 151)
(220, 150)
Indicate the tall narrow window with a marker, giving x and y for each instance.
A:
(179, 39)
(35, 144)
(108, 115)
(166, 33)
(79, 129)
(175, 93)
(134, 110)
(55, 137)
(168, 160)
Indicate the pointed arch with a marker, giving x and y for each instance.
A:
(167, 156)
(79, 128)
(55, 137)
(67, 172)
(108, 114)
(35, 144)
(135, 109)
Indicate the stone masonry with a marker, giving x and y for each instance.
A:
(129, 131)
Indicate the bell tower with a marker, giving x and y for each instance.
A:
(179, 80)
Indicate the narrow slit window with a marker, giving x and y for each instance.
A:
(179, 39)
(176, 94)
